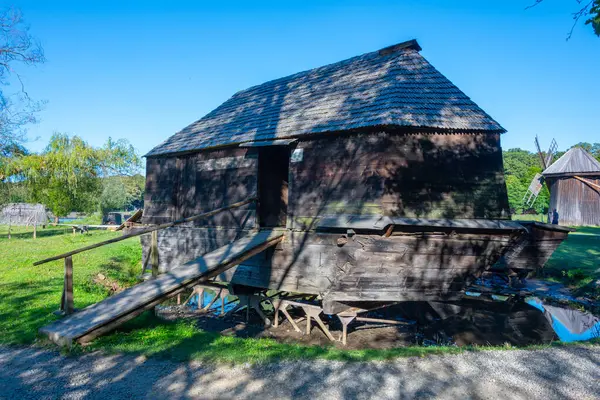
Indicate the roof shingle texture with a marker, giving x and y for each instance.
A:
(382, 88)
(574, 161)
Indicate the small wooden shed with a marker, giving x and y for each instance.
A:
(24, 214)
(574, 184)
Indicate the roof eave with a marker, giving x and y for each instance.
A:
(366, 129)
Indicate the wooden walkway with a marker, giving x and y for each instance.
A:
(104, 316)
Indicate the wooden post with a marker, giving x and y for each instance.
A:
(388, 233)
(35, 230)
(154, 253)
(313, 313)
(212, 301)
(224, 293)
(200, 294)
(276, 304)
(73, 230)
(345, 320)
(67, 305)
(9, 223)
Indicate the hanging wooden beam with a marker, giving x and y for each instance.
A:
(147, 230)
(588, 182)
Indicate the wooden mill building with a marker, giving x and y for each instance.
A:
(574, 184)
(387, 179)
(365, 182)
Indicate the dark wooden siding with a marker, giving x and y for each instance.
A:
(215, 179)
(416, 175)
(160, 199)
(577, 204)
(366, 268)
(533, 250)
(179, 187)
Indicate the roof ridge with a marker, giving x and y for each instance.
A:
(566, 164)
(383, 52)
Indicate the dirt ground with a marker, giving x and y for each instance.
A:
(360, 335)
(423, 324)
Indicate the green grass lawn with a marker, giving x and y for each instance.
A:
(577, 261)
(29, 295)
(530, 217)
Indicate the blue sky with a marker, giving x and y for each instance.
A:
(142, 70)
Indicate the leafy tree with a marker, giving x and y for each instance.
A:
(594, 18)
(520, 167)
(121, 193)
(68, 175)
(593, 149)
(17, 109)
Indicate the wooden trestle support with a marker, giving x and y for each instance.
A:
(281, 304)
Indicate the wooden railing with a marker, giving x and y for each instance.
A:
(67, 297)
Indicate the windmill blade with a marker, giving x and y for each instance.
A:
(551, 152)
(539, 150)
(533, 191)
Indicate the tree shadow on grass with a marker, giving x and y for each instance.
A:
(576, 262)
(20, 313)
(22, 233)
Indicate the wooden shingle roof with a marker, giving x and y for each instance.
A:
(394, 86)
(573, 162)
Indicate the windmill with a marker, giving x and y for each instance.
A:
(537, 182)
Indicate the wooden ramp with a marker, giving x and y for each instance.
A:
(104, 316)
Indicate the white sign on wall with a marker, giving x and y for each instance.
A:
(297, 155)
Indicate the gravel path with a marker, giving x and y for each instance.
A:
(570, 372)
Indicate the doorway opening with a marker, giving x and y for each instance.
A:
(273, 171)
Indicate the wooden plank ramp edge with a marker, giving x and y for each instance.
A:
(107, 314)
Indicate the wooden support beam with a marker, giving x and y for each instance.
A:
(210, 303)
(382, 321)
(588, 182)
(196, 291)
(276, 318)
(289, 318)
(313, 313)
(67, 305)
(134, 218)
(223, 294)
(388, 233)
(154, 253)
(102, 317)
(145, 231)
(345, 320)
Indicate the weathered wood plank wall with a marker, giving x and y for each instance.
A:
(417, 175)
(370, 267)
(577, 204)
(424, 175)
(184, 186)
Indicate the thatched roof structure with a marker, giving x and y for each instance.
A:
(23, 214)
(576, 161)
(392, 87)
